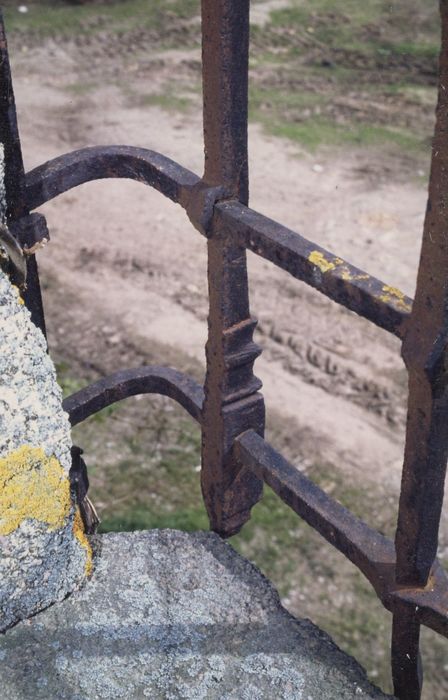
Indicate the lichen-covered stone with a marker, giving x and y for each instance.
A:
(43, 552)
(171, 615)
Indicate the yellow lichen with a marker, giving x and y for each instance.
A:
(348, 276)
(317, 258)
(78, 531)
(32, 486)
(394, 296)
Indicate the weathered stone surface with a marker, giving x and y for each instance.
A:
(170, 615)
(44, 554)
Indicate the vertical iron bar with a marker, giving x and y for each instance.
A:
(15, 175)
(225, 50)
(406, 662)
(232, 402)
(425, 354)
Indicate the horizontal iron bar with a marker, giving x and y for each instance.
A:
(370, 551)
(72, 169)
(366, 548)
(141, 380)
(380, 303)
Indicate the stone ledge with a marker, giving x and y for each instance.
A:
(170, 615)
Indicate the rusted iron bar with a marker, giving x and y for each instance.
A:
(425, 355)
(9, 135)
(17, 209)
(232, 401)
(72, 169)
(225, 69)
(370, 551)
(407, 672)
(142, 380)
(380, 303)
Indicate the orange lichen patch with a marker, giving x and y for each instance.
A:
(78, 531)
(394, 296)
(20, 300)
(324, 265)
(32, 486)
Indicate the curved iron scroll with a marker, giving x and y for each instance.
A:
(72, 169)
(141, 380)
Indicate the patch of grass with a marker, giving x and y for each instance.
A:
(273, 532)
(80, 89)
(301, 116)
(143, 460)
(418, 50)
(300, 10)
(315, 52)
(68, 383)
(419, 94)
(281, 100)
(375, 26)
(67, 19)
(166, 101)
(318, 131)
(142, 518)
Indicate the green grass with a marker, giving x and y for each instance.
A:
(401, 26)
(166, 101)
(425, 49)
(80, 89)
(68, 383)
(143, 464)
(48, 19)
(140, 518)
(314, 133)
(320, 56)
(300, 117)
(281, 100)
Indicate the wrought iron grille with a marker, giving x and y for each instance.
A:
(236, 460)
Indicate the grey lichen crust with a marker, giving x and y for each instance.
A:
(30, 398)
(171, 615)
(41, 559)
